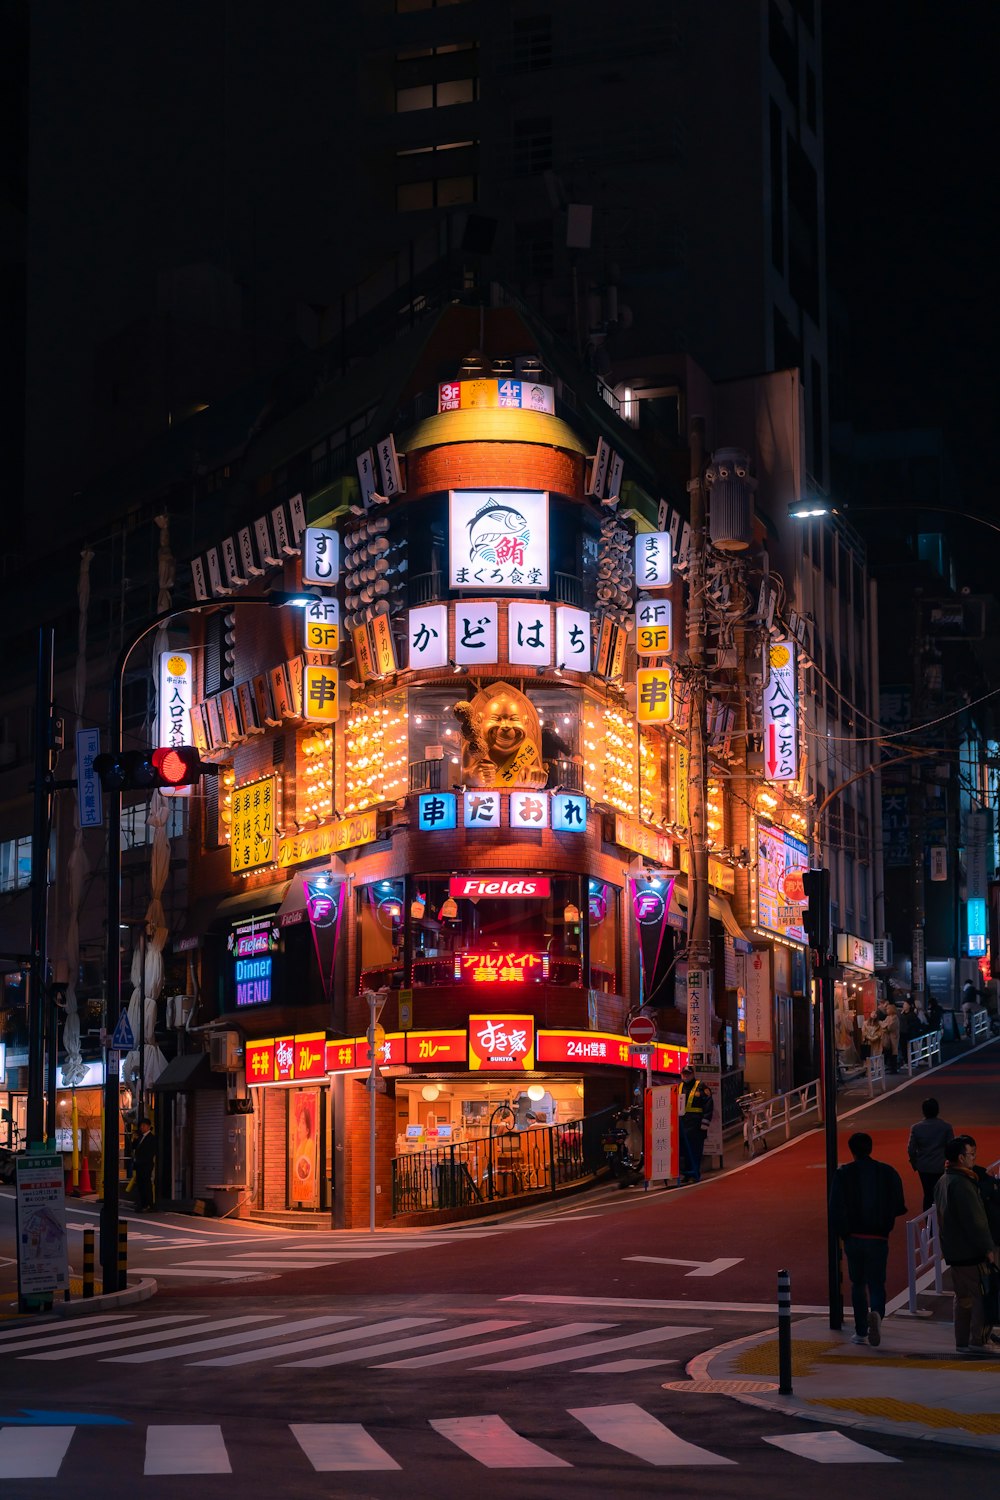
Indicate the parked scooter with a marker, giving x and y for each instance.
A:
(622, 1146)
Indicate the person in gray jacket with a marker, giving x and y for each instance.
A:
(966, 1244)
(925, 1148)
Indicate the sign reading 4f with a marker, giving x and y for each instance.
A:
(781, 714)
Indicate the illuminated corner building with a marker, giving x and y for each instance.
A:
(450, 798)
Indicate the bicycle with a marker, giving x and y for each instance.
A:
(754, 1140)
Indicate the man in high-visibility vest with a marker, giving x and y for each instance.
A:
(695, 1108)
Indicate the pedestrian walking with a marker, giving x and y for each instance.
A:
(145, 1160)
(873, 1034)
(890, 1030)
(925, 1148)
(966, 1244)
(696, 1107)
(865, 1201)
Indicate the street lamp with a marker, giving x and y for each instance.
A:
(110, 1203)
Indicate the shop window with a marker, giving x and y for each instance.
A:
(436, 95)
(380, 930)
(602, 923)
(497, 943)
(438, 192)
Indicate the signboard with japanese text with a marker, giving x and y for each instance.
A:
(654, 699)
(616, 665)
(569, 812)
(366, 475)
(252, 830)
(476, 634)
(321, 691)
(230, 723)
(263, 699)
(781, 714)
(281, 693)
(350, 832)
(517, 395)
(310, 1055)
(605, 641)
(499, 966)
(653, 627)
(759, 1008)
(321, 626)
(340, 1055)
(427, 633)
(529, 810)
(499, 539)
(781, 859)
(648, 842)
(390, 1049)
(260, 1062)
(388, 467)
(383, 648)
(436, 811)
(610, 1048)
(661, 1144)
(699, 1011)
(321, 556)
(363, 654)
(174, 700)
(501, 1043)
(682, 810)
(572, 638)
(437, 1047)
(653, 560)
(857, 952)
(42, 1262)
(90, 806)
(481, 809)
(529, 634)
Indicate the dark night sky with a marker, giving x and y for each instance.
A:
(910, 100)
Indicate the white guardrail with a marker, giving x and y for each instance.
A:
(875, 1074)
(980, 1024)
(923, 1049)
(923, 1248)
(784, 1108)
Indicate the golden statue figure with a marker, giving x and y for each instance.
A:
(501, 739)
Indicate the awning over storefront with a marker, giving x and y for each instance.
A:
(718, 907)
(211, 915)
(190, 1071)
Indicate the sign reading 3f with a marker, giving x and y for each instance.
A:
(781, 714)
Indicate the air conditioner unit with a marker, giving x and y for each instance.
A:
(225, 1051)
(883, 952)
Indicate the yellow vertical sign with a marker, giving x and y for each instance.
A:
(654, 699)
(618, 653)
(385, 654)
(682, 810)
(252, 829)
(321, 694)
(363, 651)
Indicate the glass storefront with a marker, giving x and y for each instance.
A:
(416, 932)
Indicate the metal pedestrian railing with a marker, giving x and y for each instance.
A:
(980, 1028)
(923, 1248)
(875, 1074)
(923, 1049)
(498, 1168)
(780, 1112)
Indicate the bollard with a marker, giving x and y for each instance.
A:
(88, 1262)
(784, 1334)
(122, 1254)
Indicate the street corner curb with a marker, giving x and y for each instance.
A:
(136, 1291)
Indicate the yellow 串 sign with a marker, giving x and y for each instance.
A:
(654, 696)
(321, 694)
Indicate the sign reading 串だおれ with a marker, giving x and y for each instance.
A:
(252, 831)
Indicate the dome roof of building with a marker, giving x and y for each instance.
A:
(493, 425)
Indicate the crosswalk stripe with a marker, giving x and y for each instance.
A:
(493, 1444)
(333, 1447)
(217, 1275)
(636, 1431)
(598, 1347)
(262, 1263)
(829, 1448)
(49, 1334)
(225, 1341)
(304, 1257)
(186, 1450)
(33, 1329)
(154, 1338)
(417, 1341)
(624, 1366)
(320, 1341)
(517, 1341)
(33, 1452)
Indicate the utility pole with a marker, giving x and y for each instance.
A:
(918, 956)
(699, 948)
(40, 828)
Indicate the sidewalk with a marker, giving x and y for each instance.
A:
(913, 1385)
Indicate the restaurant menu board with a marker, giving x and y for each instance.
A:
(42, 1262)
(781, 899)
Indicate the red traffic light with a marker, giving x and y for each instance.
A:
(177, 765)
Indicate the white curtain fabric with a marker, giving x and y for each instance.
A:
(73, 1068)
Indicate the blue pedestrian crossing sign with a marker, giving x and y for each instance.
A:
(123, 1039)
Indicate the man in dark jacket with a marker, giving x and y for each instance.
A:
(865, 1202)
(145, 1160)
(966, 1244)
(925, 1148)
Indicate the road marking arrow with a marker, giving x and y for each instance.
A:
(702, 1267)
